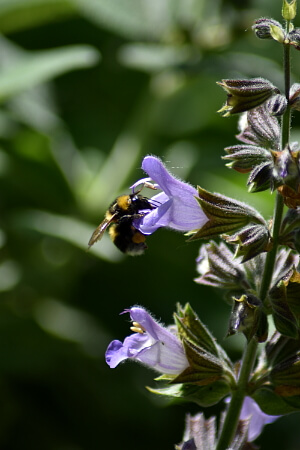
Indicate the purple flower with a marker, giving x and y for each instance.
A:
(151, 344)
(177, 207)
(258, 418)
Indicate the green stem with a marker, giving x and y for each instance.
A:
(233, 413)
(271, 256)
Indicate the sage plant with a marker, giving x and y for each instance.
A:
(253, 260)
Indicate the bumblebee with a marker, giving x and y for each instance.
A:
(119, 218)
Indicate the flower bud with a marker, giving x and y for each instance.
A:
(289, 9)
(243, 95)
(251, 241)
(261, 129)
(294, 100)
(287, 169)
(294, 38)
(277, 105)
(262, 178)
(246, 157)
(265, 28)
(247, 317)
(218, 268)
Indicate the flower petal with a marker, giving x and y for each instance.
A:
(157, 171)
(178, 208)
(157, 347)
(258, 418)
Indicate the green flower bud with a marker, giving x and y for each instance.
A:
(289, 9)
(243, 95)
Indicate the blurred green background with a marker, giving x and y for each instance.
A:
(87, 88)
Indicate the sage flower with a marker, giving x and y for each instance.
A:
(151, 344)
(258, 418)
(176, 208)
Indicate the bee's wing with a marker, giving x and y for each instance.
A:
(100, 230)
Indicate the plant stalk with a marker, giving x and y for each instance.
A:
(238, 396)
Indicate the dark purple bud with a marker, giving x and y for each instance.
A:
(261, 177)
(217, 267)
(287, 165)
(265, 28)
(277, 105)
(245, 157)
(261, 129)
(251, 241)
(294, 38)
(294, 100)
(243, 95)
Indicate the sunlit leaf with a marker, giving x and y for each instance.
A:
(39, 67)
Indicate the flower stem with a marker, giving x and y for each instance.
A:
(233, 413)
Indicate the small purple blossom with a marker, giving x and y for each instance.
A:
(152, 345)
(258, 419)
(177, 207)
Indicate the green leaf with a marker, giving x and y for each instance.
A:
(39, 67)
(202, 395)
(273, 404)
